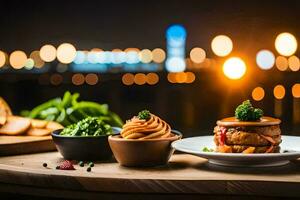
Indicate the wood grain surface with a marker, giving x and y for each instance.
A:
(185, 174)
(14, 145)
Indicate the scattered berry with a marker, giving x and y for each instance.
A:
(89, 169)
(66, 165)
(45, 165)
(81, 164)
(58, 167)
(91, 164)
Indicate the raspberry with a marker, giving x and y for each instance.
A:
(66, 165)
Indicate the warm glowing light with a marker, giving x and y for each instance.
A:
(286, 44)
(294, 63)
(66, 53)
(234, 68)
(48, 53)
(190, 77)
(296, 90)
(2, 58)
(197, 55)
(91, 79)
(258, 93)
(145, 56)
(171, 77)
(158, 55)
(17, 59)
(78, 79)
(265, 59)
(152, 78)
(128, 79)
(29, 64)
(279, 92)
(221, 45)
(35, 56)
(56, 79)
(140, 79)
(282, 63)
(180, 77)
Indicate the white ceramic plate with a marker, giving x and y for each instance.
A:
(290, 150)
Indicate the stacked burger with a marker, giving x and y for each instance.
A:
(247, 132)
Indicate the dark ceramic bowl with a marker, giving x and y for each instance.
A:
(142, 153)
(85, 148)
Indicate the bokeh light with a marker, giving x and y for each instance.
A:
(286, 44)
(91, 79)
(180, 77)
(2, 58)
(35, 56)
(48, 53)
(152, 78)
(80, 57)
(17, 59)
(29, 64)
(128, 79)
(197, 55)
(145, 56)
(282, 63)
(265, 59)
(190, 77)
(56, 79)
(140, 79)
(296, 90)
(171, 77)
(158, 55)
(258, 93)
(175, 64)
(78, 79)
(234, 68)
(294, 63)
(279, 91)
(66, 53)
(222, 45)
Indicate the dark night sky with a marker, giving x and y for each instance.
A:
(252, 24)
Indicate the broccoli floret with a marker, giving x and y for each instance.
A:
(246, 112)
(145, 114)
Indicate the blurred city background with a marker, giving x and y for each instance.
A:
(190, 62)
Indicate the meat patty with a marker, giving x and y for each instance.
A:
(249, 136)
(264, 149)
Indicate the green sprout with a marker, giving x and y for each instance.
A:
(145, 114)
(246, 112)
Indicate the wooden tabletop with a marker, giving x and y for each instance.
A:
(185, 174)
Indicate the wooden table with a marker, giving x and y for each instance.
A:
(185, 174)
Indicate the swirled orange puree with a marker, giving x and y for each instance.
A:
(149, 127)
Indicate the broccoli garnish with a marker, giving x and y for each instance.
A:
(246, 112)
(145, 114)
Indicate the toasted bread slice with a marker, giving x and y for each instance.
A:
(54, 126)
(37, 123)
(5, 106)
(15, 125)
(38, 132)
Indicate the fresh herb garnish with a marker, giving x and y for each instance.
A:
(90, 126)
(145, 114)
(246, 112)
(205, 149)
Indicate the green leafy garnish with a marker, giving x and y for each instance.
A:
(205, 149)
(68, 110)
(246, 112)
(145, 114)
(90, 126)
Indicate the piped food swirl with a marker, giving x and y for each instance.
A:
(146, 126)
